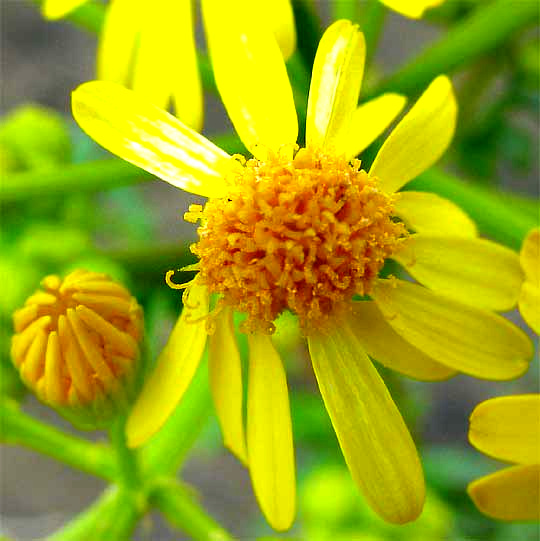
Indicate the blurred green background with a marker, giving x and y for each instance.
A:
(54, 222)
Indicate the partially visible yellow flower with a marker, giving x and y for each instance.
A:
(304, 230)
(529, 297)
(76, 346)
(150, 47)
(508, 428)
(413, 9)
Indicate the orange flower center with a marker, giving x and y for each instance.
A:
(303, 234)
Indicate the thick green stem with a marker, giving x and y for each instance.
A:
(492, 213)
(183, 512)
(18, 428)
(166, 450)
(126, 459)
(483, 31)
(112, 517)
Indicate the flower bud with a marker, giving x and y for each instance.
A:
(77, 346)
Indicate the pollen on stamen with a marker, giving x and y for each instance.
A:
(300, 233)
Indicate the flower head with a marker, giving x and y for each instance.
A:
(303, 230)
(508, 428)
(76, 345)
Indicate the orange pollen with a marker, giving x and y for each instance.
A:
(303, 233)
(76, 338)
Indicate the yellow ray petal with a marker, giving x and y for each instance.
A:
(371, 119)
(413, 9)
(529, 305)
(174, 370)
(420, 139)
(529, 256)
(226, 383)
(508, 428)
(471, 270)
(376, 444)
(335, 85)
(269, 434)
(251, 77)
(429, 213)
(471, 340)
(278, 15)
(385, 345)
(118, 40)
(509, 494)
(166, 61)
(56, 9)
(141, 133)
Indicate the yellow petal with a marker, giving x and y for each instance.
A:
(429, 213)
(508, 428)
(269, 434)
(141, 133)
(376, 444)
(226, 383)
(174, 370)
(529, 305)
(278, 15)
(530, 256)
(420, 139)
(167, 40)
(118, 40)
(471, 270)
(251, 77)
(509, 494)
(335, 85)
(413, 9)
(471, 340)
(385, 345)
(371, 119)
(56, 9)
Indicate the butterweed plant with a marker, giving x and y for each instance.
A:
(328, 235)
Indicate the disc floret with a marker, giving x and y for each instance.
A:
(302, 233)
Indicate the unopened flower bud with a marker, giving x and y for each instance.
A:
(77, 346)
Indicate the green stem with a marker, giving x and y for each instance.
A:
(490, 210)
(487, 28)
(18, 428)
(126, 459)
(183, 512)
(166, 450)
(112, 517)
(308, 26)
(346, 9)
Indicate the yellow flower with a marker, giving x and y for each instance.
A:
(76, 346)
(508, 428)
(150, 47)
(529, 297)
(304, 231)
(413, 9)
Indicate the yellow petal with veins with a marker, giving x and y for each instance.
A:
(508, 428)
(225, 371)
(335, 85)
(141, 133)
(509, 494)
(471, 270)
(413, 9)
(278, 15)
(386, 346)
(429, 213)
(118, 40)
(376, 444)
(371, 119)
(420, 139)
(269, 434)
(175, 368)
(468, 339)
(251, 77)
